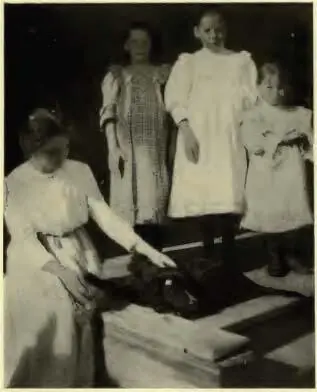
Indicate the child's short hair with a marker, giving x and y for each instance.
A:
(210, 11)
(275, 68)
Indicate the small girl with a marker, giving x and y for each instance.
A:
(278, 138)
(206, 94)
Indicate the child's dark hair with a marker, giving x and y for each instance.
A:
(154, 37)
(139, 25)
(210, 11)
(285, 78)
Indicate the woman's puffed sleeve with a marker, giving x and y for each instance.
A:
(178, 88)
(109, 89)
(25, 246)
(248, 82)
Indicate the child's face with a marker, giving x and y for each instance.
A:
(269, 88)
(138, 46)
(210, 31)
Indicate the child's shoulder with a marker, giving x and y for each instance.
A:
(186, 57)
(304, 115)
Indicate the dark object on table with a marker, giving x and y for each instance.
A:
(195, 289)
(166, 290)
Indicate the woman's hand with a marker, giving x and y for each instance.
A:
(191, 143)
(77, 287)
(74, 283)
(161, 260)
(156, 257)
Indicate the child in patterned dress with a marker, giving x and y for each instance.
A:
(278, 138)
(133, 118)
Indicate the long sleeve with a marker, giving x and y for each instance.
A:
(111, 224)
(178, 88)
(248, 82)
(24, 247)
(109, 89)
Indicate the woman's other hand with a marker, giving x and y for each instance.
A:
(73, 282)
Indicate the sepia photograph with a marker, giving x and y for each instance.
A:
(158, 220)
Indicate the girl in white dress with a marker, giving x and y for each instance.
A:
(50, 308)
(278, 138)
(206, 94)
(133, 118)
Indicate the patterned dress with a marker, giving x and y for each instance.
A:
(134, 99)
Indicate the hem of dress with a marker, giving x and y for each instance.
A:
(187, 214)
(258, 229)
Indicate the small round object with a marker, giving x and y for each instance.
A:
(88, 307)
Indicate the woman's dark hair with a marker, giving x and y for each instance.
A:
(284, 75)
(42, 125)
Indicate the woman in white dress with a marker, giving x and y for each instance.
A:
(206, 94)
(133, 118)
(50, 307)
(275, 134)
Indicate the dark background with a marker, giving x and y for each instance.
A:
(58, 54)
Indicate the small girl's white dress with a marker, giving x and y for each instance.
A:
(276, 191)
(211, 91)
(46, 344)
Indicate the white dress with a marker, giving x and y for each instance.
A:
(211, 91)
(46, 344)
(276, 191)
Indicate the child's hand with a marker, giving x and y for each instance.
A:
(191, 143)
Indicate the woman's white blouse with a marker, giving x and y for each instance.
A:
(55, 205)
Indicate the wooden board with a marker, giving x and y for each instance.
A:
(145, 349)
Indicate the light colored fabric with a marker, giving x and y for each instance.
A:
(45, 347)
(276, 195)
(211, 91)
(133, 98)
(47, 343)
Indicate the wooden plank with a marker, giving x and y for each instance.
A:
(299, 353)
(163, 331)
(252, 309)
